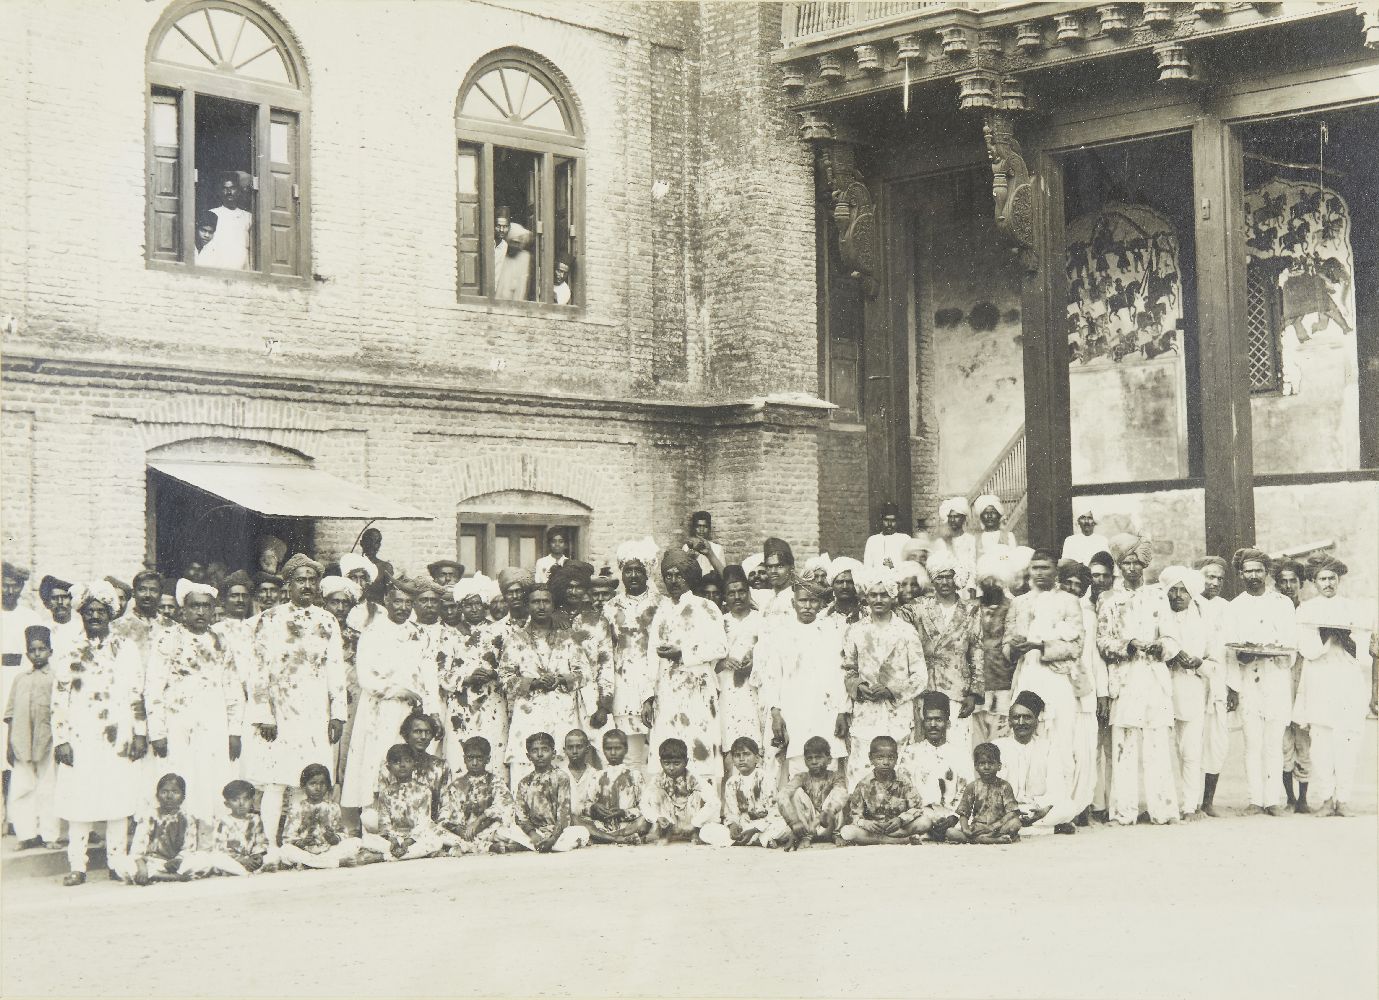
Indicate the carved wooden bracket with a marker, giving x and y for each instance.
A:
(1011, 186)
(854, 208)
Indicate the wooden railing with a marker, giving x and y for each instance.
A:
(1005, 477)
(803, 22)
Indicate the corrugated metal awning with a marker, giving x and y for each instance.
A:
(288, 491)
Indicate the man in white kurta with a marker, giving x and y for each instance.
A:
(954, 541)
(1187, 653)
(629, 614)
(298, 704)
(1223, 685)
(1044, 636)
(1086, 541)
(1333, 632)
(1037, 772)
(887, 546)
(938, 768)
(1091, 686)
(1266, 623)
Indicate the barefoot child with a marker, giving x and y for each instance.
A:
(238, 844)
(812, 803)
(749, 800)
(677, 804)
(543, 802)
(477, 808)
(987, 812)
(29, 750)
(884, 808)
(399, 825)
(314, 832)
(162, 839)
(583, 776)
(614, 814)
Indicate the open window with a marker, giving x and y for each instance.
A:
(227, 100)
(520, 172)
(510, 528)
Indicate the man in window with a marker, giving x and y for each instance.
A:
(561, 289)
(500, 233)
(228, 247)
(514, 267)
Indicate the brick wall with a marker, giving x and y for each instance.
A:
(843, 504)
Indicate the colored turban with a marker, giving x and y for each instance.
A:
(333, 585)
(954, 505)
(685, 562)
(779, 548)
(185, 587)
(516, 575)
(1192, 581)
(568, 573)
(866, 578)
(988, 500)
(642, 550)
(1031, 701)
(302, 561)
(404, 584)
(48, 584)
(841, 565)
(1242, 556)
(238, 578)
(804, 585)
(37, 632)
(1130, 544)
(351, 561)
(427, 585)
(1321, 562)
(440, 564)
(13, 572)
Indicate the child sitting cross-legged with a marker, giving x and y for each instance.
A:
(677, 805)
(884, 808)
(749, 800)
(987, 812)
(398, 826)
(614, 810)
(314, 832)
(812, 803)
(543, 802)
(476, 807)
(238, 844)
(164, 839)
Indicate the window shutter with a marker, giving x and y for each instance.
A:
(467, 223)
(283, 193)
(165, 230)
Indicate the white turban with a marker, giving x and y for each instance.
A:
(470, 586)
(351, 561)
(752, 563)
(988, 500)
(488, 587)
(1083, 510)
(98, 591)
(642, 550)
(954, 505)
(996, 565)
(819, 562)
(867, 578)
(1019, 559)
(1191, 579)
(185, 587)
(332, 585)
(912, 548)
(912, 570)
(844, 564)
(941, 561)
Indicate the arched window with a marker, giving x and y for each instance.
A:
(521, 182)
(227, 103)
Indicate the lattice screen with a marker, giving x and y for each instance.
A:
(1261, 318)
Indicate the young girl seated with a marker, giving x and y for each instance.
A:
(314, 832)
(399, 827)
(987, 811)
(477, 808)
(238, 845)
(749, 800)
(164, 839)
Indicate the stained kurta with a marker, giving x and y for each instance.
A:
(619, 790)
(939, 773)
(687, 689)
(404, 809)
(542, 803)
(392, 666)
(531, 654)
(239, 838)
(749, 800)
(1186, 632)
(951, 634)
(1138, 683)
(164, 836)
(802, 676)
(985, 806)
(308, 822)
(95, 702)
(478, 801)
(634, 679)
(195, 701)
(885, 655)
(594, 637)
(682, 802)
(875, 800)
(472, 708)
(739, 707)
(298, 685)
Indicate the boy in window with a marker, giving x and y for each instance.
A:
(560, 291)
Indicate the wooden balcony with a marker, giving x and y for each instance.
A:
(821, 20)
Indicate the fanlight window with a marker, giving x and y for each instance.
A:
(225, 40)
(511, 94)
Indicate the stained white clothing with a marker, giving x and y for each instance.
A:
(881, 547)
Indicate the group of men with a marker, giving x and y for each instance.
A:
(1108, 697)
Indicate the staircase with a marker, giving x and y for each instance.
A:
(1006, 478)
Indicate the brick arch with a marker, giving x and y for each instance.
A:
(494, 473)
(270, 421)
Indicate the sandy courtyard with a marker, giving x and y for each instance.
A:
(1242, 906)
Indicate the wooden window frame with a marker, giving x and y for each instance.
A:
(188, 84)
(548, 146)
(485, 526)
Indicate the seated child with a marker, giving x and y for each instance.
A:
(987, 812)
(163, 839)
(614, 810)
(937, 767)
(29, 751)
(812, 803)
(884, 808)
(677, 805)
(543, 802)
(418, 731)
(579, 767)
(749, 800)
(314, 831)
(477, 808)
(398, 826)
(238, 845)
